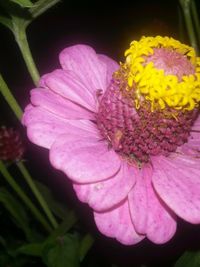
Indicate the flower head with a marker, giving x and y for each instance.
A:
(126, 135)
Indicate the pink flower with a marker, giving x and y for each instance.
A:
(132, 156)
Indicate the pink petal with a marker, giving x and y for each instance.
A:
(161, 223)
(111, 65)
(68, 85)
(84, 160)
(117, 223)
(83, 60)
(105, 194)
(150, 216)
(187, 161)
(192, 147)
(177, 182)
(138, 204)
(196, 126)
(44, 127)
(59, 105)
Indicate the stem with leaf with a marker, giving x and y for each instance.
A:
(37, 194)
(8, 96)
(8, 177)
(39, 8)
(18, 112)
(19, 31)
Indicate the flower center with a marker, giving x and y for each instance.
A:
(138, 134)
(142, 112)
(171, 61)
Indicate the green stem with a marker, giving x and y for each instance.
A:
(18, 112)
(195, 19)
(24, 197)
(37, 194)
(21, 39)
(40, 8)
(186, 4)
(10, 98)
(180, 25)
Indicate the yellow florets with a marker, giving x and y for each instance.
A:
(153, 84)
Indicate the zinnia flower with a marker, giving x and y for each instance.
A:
(126, 135)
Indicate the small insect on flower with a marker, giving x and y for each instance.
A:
(134, 154)
(11, 146)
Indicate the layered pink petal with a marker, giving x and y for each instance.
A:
(138, 204)
(111, 65)
(177, 182)
(117, 223)
(192, 147)
(149, 214)
(84, 62)
(161, 222)
(196, 126)
(106, 194)
(185, 160)
(84, 159)
(44, 127)
(68, 85)
(59, 105)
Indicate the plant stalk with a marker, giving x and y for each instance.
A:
(10, 98)
(186, 7)
(21, 39)
(8, 177)
(37, 193)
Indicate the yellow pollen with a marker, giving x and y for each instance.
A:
(153, 84)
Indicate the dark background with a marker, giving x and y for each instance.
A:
(109, 28)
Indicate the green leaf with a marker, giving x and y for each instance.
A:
(64, 227)
(86, 244)
(3, 241)
(62, 252)
(16, 210)
(7, 261)
(7, 22)
(33, 249)
(23, 3)
(189, 259)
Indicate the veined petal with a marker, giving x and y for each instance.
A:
(196, 126)
(161, 223)
(59, 105)
(137, 198)
(44, 127)
(187, 161)
(106, 194)
(149, 214)
(68, 85)
(117, 223)
(177, 182)
(192, 147)
(84, 160)
(111, 65)
(83, 60)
